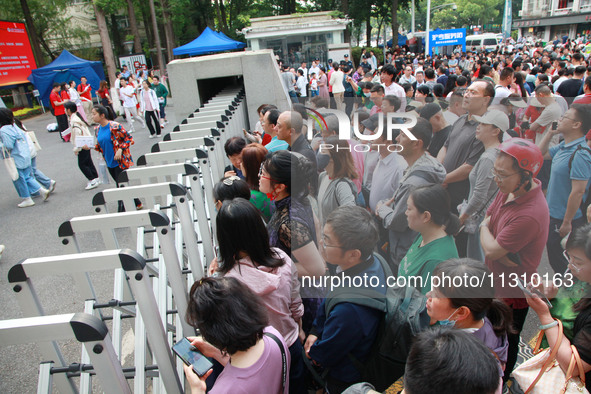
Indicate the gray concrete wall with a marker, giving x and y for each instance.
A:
(262, 81)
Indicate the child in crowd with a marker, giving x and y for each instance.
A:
(313, 85)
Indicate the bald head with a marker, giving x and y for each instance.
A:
(289, 123)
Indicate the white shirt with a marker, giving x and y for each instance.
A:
(301, 84)
(336, 81)
(386, 178)
(128, 102)
(410, 80)
(501, 92)
(396, 90)
(315, 70)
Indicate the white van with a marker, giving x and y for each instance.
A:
(482, 42)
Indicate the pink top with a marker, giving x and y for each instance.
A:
(280, 290)
(147, 101)
(263, 377)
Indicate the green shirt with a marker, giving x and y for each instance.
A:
(422, 260)
(161, 91)
(562, 306)
(262, 203)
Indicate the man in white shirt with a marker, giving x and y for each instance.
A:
(387, 173)
(391, 87)
(338, 89)
(314, 69)
(502, 89)
(407, 77)
(304, 69)
(301, 83)
(129, 104)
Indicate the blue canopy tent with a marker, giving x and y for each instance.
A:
(401, 41)
(208, 42)
(66, 67)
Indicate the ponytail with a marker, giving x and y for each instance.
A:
(501, 318)
(453, 224)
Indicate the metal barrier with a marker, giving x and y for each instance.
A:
(23, 274)
(187, 174)
(86, 329)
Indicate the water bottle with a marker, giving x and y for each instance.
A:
(103, 173)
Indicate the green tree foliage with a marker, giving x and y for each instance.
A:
(51, 23)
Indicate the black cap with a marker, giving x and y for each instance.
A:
(346, 55)
(429, 110)
(372, 122)
(329, 61)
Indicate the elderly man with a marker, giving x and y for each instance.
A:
(551, 113)
(289, 129)
(462, 150)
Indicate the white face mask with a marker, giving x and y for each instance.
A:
(367, 94)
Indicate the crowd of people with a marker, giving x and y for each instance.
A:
(141, 97)
(493, 170)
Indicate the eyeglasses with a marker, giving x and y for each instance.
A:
(323, 242)
(500, 177)
(229, 181)
(566, 117)
(576, 268)
(264, 176)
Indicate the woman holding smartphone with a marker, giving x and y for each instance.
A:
(236, 333)
(578, 254)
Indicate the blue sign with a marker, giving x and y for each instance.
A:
(440, 38)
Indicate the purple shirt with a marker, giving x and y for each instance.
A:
(262, 377)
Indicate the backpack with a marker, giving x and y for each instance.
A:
(586, 202)
(405, 316)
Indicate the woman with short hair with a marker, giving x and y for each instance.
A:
(235, 331)
(245, 254)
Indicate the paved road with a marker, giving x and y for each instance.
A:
(32, 232)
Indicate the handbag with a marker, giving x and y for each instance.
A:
(10, 164)
(33, 137)
(542, 373)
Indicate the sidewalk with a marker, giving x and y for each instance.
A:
(32, 232)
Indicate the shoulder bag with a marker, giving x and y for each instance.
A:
(542, 374)
(10, 164)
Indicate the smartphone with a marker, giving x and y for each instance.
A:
(193, 357)
(554, 125)
(532, 292)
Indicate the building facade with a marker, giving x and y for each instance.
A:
(299, 37)
(548, 19)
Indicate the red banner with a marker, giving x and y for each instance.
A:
(16, 56)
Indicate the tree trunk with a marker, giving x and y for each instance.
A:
(394, 23)
(137, 44)
(106, 41)
(381, 21)
(157, 38)
(168, 30)
(345, 9)
(224, 16)
(147, 24)
(117, 41)
(368, 31)
(218, 12)
(35, 42)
